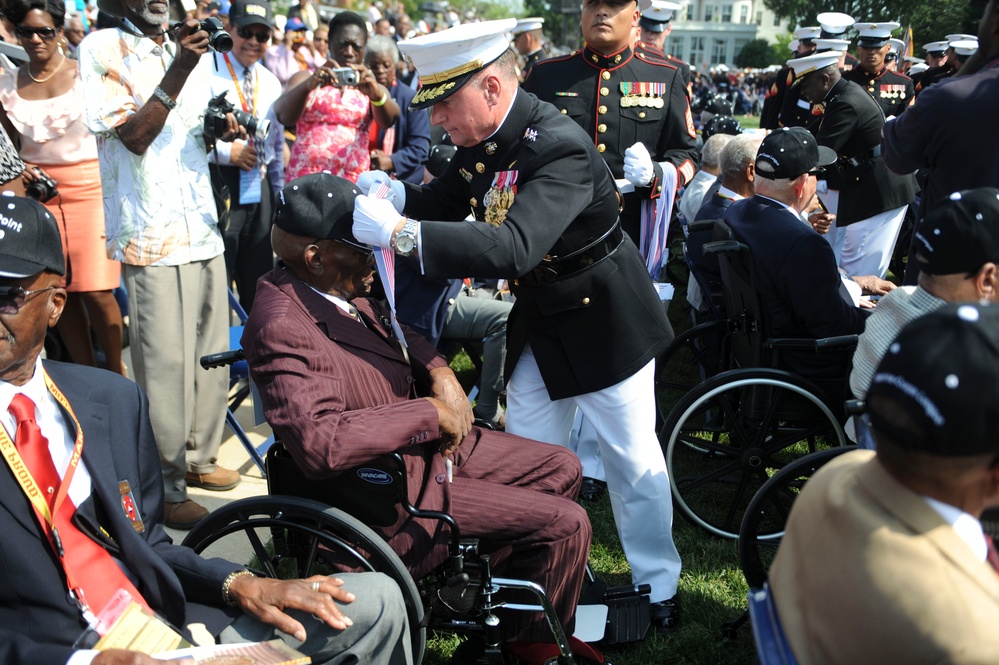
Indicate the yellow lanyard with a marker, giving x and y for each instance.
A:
(239, 86)
(36, 495)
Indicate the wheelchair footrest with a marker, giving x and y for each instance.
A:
(629, 612)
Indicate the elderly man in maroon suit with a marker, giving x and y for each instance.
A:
(339, 392)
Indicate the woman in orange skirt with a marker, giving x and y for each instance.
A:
(43, 111)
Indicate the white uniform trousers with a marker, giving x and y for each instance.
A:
(583, 441)
(624, 417)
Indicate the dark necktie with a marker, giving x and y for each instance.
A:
(89, 564)
(992, 556)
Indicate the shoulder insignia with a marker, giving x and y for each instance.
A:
(530, 134)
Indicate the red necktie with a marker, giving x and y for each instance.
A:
(86, 562)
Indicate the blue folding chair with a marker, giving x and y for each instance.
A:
(771, 643)
(240, 372)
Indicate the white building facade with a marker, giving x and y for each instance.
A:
(707, 33)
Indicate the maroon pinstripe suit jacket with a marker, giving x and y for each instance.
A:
(338, 394)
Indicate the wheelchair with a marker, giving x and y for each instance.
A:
(732, 431)
(759, 537)
(699, 352)
(306, 527)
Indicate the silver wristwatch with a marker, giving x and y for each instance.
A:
(404, 242)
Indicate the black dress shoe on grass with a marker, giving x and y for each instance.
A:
(592, 490)
(666, 616)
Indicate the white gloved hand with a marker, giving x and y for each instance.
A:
(369, 181)
(375, 221)
(638, 168)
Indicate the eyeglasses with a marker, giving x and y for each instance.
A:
(364, 250)
(12, 298)
(47, 34)
(261, 37)
(817, 171)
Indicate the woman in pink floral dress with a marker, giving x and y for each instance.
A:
(332, 121)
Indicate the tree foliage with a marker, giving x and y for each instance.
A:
(757, 54)
(930, 20)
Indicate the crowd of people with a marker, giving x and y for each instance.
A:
(173, 156)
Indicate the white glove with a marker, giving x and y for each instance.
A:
(369, 181)
(638, 168)
(375, 221)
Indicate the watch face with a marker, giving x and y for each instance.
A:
(404, 243)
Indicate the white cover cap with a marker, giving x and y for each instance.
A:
(809, 33)
(527, 24)
(814, 62)
(965, 47)
(834, 23)
(445, 60)
(832, 44)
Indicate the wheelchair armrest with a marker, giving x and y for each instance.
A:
(426, 514)
(223, 359)
(822, 344)
(701, 226)
(723, 247)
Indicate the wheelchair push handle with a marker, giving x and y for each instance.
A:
(223, 359)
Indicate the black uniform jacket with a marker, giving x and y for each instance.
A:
(538, 188)
(530, 60)
(851, 125)
(619, 100)
(893, 92)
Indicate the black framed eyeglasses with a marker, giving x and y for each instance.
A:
(23, 32)
(13, 298)
(364, 250)
(817, 171)
(261, 37)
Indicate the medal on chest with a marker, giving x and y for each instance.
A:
(499, 198)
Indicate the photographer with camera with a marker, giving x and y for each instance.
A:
(245, 167)
(333, 107)
(41, 107)
(146, 89)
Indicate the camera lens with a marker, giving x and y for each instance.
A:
(221, 42)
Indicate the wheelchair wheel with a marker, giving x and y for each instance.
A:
(691, 357)
(289, 537)
(734, 431)
(763, 526)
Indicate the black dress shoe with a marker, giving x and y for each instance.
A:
(666, 616)
(592, 489)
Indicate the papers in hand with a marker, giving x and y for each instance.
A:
(274, 652)
(624, 185)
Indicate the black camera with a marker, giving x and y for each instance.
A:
(215, 123)
(218, 38)
(345, 76)
(42, 190)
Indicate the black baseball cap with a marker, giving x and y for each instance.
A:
(942, 371)
(961, 234)
(29, 238)
(319, 205)
(790, 151)
(251, 12)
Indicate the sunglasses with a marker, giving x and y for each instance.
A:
(12, 298)
(261, 37)
(817, 171)
(47, 34)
